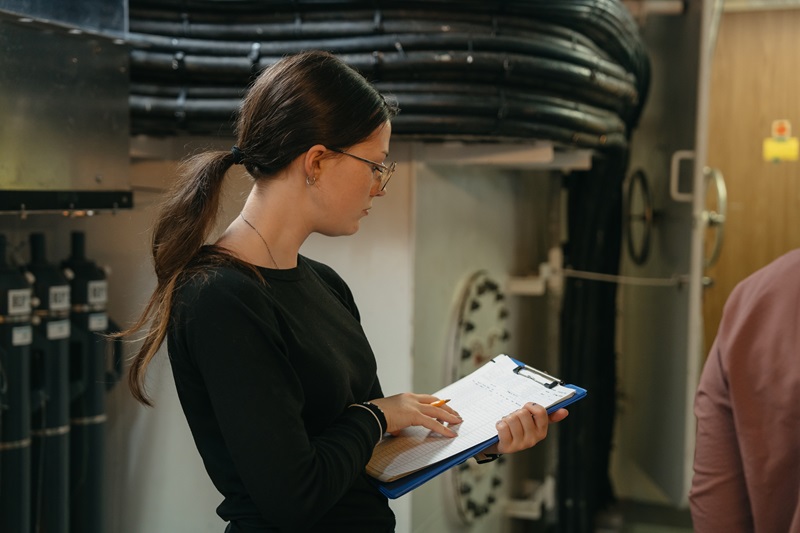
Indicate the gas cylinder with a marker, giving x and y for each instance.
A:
(90, 347)
(15, 395)
(50, 393)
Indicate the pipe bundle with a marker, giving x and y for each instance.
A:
(574, 71)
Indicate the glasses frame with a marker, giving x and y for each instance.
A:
(385, 172)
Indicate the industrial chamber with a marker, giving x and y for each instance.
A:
(507, 194)
(501, 106)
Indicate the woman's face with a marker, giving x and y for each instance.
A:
(350, 183)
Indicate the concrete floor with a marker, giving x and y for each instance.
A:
(633, 517)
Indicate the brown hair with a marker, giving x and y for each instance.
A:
(301, 100)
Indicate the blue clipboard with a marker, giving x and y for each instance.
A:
(395, 489)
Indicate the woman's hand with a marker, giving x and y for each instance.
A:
(523, 428)
(409, 409)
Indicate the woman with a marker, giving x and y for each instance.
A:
(274, 373)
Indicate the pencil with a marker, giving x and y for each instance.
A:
(439, 403)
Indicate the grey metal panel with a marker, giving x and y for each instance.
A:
(655, 370)
(108, 16)
(63, 110)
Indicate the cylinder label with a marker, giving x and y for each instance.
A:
(97, 292)
(19, 302)
(98, 322)
(21, 336)
(59, 298)
(58, 329)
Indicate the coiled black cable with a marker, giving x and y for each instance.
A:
(203, 53)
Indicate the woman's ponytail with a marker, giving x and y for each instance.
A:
(183, 224)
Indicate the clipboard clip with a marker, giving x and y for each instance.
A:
(538, 376)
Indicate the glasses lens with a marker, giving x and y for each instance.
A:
(386, 174)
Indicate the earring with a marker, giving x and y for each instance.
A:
(310, 180)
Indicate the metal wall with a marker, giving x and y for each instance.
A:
(64, 138)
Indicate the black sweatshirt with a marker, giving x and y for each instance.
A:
(265, 371)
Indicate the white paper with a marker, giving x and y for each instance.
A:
(482, 399)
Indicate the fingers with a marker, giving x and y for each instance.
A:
(559, 415)
(407, 409)
(437, 426)
(519, 430)
(438, 409)
(436, 415)
(426, 398)
(538, 413)
(445, 413)
(523, 428)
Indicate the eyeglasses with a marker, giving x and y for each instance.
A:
(383, 172)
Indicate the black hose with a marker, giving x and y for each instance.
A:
(482, 67)
(192, 60)
(534, 45)
(500, 107)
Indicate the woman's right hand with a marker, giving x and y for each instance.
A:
(409, 409)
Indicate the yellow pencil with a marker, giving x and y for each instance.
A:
(439, 403)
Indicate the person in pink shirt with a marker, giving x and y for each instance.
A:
(747, 457)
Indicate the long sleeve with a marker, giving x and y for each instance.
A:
(719, 497)
(278, 384)
(747, 466)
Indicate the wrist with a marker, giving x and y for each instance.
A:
(378, 415)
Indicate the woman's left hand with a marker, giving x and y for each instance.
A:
(524, 428)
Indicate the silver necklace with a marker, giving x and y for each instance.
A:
(262, 240)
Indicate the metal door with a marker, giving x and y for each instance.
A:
(660, 311)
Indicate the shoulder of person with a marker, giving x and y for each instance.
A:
(768, 295)
(328, 274)
(222, 279)
(335, 282)
(780, 277)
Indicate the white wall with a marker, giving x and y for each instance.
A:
(467, 218)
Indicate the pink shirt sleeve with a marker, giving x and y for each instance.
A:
(718, 497)
(747, 457)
